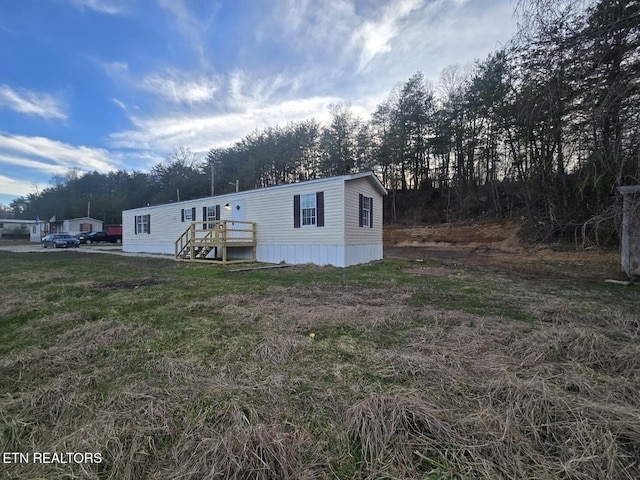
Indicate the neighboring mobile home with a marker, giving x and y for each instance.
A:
(12, 229)
(331, 221)
(73, 226)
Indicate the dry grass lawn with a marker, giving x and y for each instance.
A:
(399, 369)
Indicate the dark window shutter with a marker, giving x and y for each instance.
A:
(135, 225)
(370, 212)
(296, 211)
(360, 202)
(182, 214)
(193, 214)
(204, 218)
(320, 209)
(217, 212)
(149, 223)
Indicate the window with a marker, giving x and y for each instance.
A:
(366, 208)
(308, 209)
(210, 214)
(143, 224)
(86, 227)
(188, 214)
(366, 211)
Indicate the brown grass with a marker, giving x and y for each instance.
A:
(235, 387)
(530, 406)
(392, 431)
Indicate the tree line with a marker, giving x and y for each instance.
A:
(546, 128)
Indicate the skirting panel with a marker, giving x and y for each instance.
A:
(336, 255)
(148, 248)
(357, 254)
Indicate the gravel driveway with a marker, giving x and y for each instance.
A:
(112, 249)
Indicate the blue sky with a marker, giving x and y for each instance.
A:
(119, 84)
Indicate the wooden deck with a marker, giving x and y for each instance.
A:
(217, 241)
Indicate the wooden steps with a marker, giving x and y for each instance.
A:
(218, 241)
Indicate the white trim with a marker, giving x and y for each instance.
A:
(309, 184)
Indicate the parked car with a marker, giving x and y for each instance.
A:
(60, 240)
(82, 236)
(95, 237)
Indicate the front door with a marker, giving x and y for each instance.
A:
(237, 215)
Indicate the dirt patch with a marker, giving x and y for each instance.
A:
(497, 246)
(473, 234)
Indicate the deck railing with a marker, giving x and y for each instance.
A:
(201, 238)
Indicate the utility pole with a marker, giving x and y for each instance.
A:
(212, 180)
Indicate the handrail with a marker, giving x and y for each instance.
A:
(217, 233)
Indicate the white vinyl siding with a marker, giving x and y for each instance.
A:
(354, 234)
(74, 226)
(275, 225)
(273, 211)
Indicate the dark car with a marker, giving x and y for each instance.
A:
(83, 236)
(96, 237)
(60, 240)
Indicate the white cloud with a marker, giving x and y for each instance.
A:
(31, 103)
(57, 154)
(11, 186)
(191, 26)
(119, 103)
(293, 13)
(310, 35)
(389, 42)
(439, 34)
(202, 132)
(245, 94)
(211, 110)
(27, 163)
(214, 111)
(110, 7)
(179, 88)
(115, 68)
(374, 37)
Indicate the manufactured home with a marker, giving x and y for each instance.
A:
(73, 226)
(12, 229)
(331, 221)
